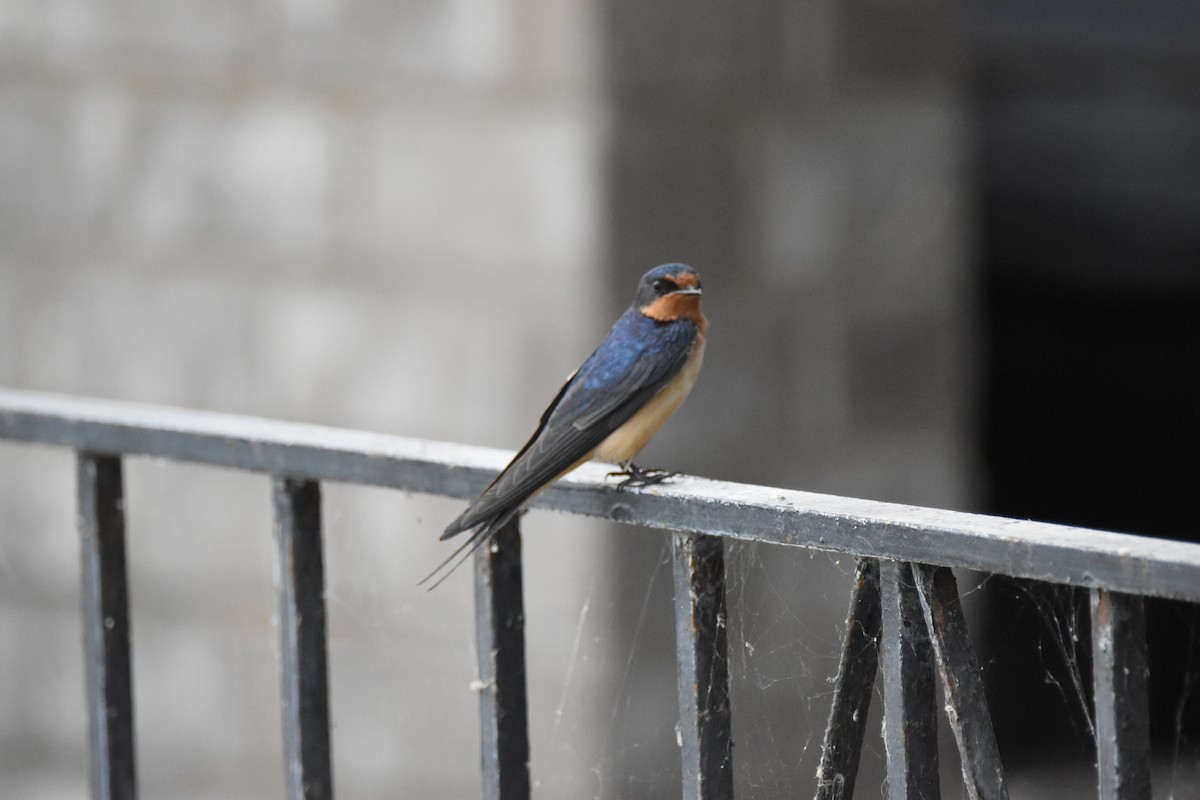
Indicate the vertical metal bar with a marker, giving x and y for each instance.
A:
(702, 647)
(307, 762)
(500, 640)
(1122, 704)
(852, 691)
(106, 626)
(966, 704)
(909, 692)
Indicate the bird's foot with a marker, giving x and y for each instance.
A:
(637, 477)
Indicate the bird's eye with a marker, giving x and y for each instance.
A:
(659, 284)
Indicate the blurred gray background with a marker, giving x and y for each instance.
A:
(418, 217)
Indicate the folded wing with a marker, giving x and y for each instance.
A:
(637, 359)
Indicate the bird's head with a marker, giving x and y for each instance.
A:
(670, 292)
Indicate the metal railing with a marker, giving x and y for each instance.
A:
(904, 617)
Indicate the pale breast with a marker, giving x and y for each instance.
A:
(623, 444)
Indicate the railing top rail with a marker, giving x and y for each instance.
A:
(1021, 548)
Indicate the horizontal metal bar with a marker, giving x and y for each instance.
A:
(106, 627)
(1042, 551)
(500, 641)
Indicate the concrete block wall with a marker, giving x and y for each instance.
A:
(375, 215)
(815, 159)
(417, 218)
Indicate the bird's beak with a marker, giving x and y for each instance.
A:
(690, 290)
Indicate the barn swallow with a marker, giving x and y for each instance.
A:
(610, 407)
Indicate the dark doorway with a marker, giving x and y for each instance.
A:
(1091, 254)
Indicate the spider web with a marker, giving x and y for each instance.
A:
(600, 647)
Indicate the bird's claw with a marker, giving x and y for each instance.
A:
(638, 478)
